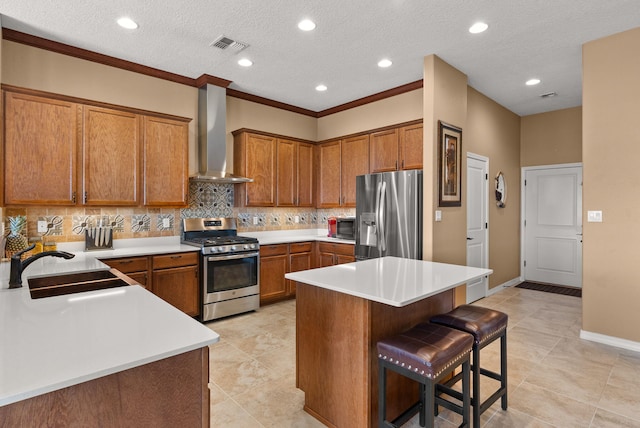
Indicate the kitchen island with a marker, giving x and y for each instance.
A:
(341, 313)
(114, 357)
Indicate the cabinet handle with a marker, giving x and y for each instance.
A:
(396, 164)
(176, 257)
(73, 197)
(85, 197)
(125, 262)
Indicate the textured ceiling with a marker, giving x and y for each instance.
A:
(525, 39)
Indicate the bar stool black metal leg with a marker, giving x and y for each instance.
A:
(466, 397)
(503, 369)
(382, 392)
(429, 403)
(475, 398)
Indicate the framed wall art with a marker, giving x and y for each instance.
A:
(449, 165)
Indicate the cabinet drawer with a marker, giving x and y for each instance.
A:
(273, 250)
(129, 264)
(175, 260)
(300, 247)
(329, 247)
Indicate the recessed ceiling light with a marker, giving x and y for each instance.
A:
(306, 25)
(321, 88)
(532, 82)
(245, 62)
(128, 23)
(478, 27)
(384, 63)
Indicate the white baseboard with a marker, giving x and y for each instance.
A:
(610, 340)
(510, 283)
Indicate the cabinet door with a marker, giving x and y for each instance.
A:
(179, 287)
(139, 277)
(326, 259)
(110, 157)
(273, 285)
(305, 175)
(329, 175)
(298, 262)
(355, 161)
(411, 146)
(258, 154)
(287, 183)
(165, 159)
(40, 140)
(384, 151)
(341, 258)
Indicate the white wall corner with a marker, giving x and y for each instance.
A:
(510, 283)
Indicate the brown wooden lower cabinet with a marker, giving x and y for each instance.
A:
(275, 261)
(172, 277)
(331, 253)
(274, 264)
(172, 392)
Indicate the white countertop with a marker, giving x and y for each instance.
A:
(51, 343)
(390, 280)
(295, 235)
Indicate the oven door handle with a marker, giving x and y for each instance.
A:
(232, 257)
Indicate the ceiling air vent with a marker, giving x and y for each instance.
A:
(548, 95)
(224, 42)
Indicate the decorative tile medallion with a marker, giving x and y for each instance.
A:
(165, 222)
(80, 223)
(140, 223)
(54, 225)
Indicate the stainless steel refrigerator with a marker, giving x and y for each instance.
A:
(389, 215)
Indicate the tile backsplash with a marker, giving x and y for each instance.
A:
(205, 200)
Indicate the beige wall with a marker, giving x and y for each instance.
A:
(551, 138)
(610, 154)
(390, 111)
(445, 99)
(494, 132)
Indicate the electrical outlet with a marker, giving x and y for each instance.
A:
(166, 223)
(255, 220)
(296, 219)
(43, 226)
(594, 216)
(438, 215)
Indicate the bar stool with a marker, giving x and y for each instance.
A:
(426, 353)
(486, 325)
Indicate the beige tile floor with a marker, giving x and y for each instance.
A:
(555, 378)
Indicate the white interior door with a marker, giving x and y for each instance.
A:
(477, 222)
(553, 225)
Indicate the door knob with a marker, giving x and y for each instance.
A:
(469, 239)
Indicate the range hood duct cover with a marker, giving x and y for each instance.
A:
(212, 138)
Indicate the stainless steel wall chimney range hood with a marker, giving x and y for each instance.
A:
(212, 139)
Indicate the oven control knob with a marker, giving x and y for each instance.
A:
(214, 249)
(234, 248)
(246, 247)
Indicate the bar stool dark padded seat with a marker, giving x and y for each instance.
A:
(486, 325)
(425, 353)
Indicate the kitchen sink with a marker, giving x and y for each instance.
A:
(57, 285)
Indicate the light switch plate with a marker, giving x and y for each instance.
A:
(296, 219)
(42, 226)
(438, 215)
(166, 223)
(255, 220)
(594, 216)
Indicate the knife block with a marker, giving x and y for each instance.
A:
(98, 238)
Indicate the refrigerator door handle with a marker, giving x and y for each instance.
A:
(381, 226)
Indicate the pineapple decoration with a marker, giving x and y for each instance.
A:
(16, 241)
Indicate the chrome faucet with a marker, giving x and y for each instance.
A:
(18, 266)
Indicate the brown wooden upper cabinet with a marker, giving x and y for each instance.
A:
(396, 149)
(294, 178)
(40, 143)
(166, 162)
(65, 151)
(254, 156)
(281, 169)
(339, 162)
(110, 169)
(410, 145)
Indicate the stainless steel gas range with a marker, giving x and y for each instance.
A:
(230, 268)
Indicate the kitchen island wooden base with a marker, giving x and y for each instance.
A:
(172, 392)
(336, 358)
